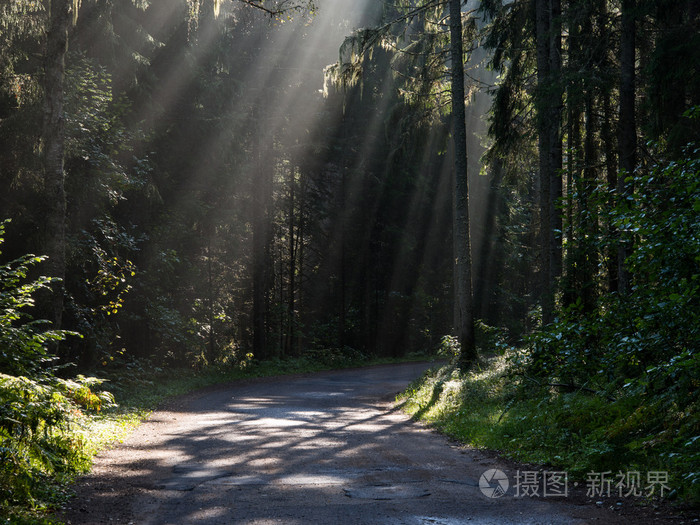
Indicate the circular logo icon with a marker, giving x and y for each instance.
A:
(493, 483)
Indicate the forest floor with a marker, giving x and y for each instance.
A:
(330, 447)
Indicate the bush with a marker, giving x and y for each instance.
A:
(645, 341)
(639, 349)
(36, 407)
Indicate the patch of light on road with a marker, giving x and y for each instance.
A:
(269, 422)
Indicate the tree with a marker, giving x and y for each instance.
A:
(464, 311)
(548, 101)
(262, 235)
(53, 143)
(426, 50)
(627, 123)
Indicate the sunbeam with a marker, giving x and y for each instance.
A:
(227, 189)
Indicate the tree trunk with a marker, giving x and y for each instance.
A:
(53, 136)
(292, 267)
(590, 217)
(342, 264)
(607, 137)
(262, 189)
(548, 52)
(611, 179)
(555, 142)
(301, 232)
(575, 161)
(210, 299)
(628, 130)
(464, 321)
(545, 155)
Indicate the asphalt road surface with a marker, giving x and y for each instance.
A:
(328, 448)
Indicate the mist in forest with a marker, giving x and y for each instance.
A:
(223, 201)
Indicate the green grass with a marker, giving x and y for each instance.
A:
(577, 432)
(466, 407)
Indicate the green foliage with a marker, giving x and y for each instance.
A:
(37, 408)
(21, 23)
(33, 448)
(645, 341)
(101, 274)
(23, 341)
(449, 347)
(489, 340)
(101, 170)
(632, 359)
(509, 35)
(493, 407)
(610, 387)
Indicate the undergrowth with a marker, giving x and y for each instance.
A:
(578, 432)
(613, 383)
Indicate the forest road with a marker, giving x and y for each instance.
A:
(327, 448)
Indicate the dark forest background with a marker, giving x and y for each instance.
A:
(218, 204)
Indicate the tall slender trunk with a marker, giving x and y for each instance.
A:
(211, 300)
(607, 137)
(262, 190)
(53, 139)
(549, 106)
(611, 180)
(292, 267)
(461, 242)
(575, 161)
(590, 215)
(573, 157)
(342, 281)
(542, 29)
(555, 142)
(301, 232)
(628, 129)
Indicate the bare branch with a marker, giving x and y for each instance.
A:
(280, 7)
(261, 7)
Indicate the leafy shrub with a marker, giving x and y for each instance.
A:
(638, 349)
(645, 341)
(36, 407)
(449, 347)
(23, 341)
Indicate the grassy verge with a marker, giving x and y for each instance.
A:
(577, 432)
(139, 388)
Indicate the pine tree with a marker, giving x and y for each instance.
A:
(464, 311)
(60, 16)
